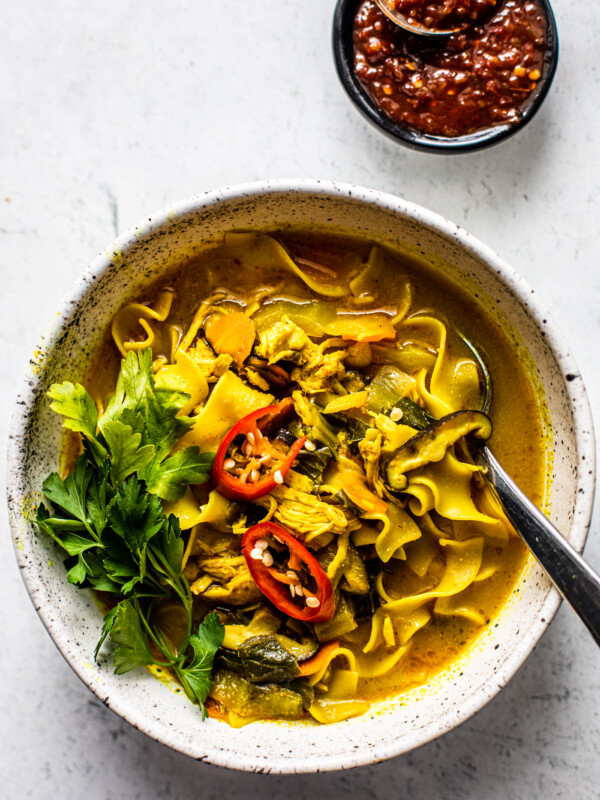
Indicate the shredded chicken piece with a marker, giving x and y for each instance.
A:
(316, 370)
(370, 450)
(211, 366)
(310, 517)
(284, 340)
(302, 408)
(255, 378)
(238, 590)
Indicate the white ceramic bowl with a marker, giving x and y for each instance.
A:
(71, 616)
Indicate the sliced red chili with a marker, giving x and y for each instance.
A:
(251, 481)
(316, 603)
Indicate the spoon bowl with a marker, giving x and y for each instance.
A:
(412, 27)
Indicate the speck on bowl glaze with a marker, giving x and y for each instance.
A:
(391, 727)
(343, 50)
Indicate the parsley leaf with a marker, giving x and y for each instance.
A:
(171, 543)
(75, 544)
(138, 403)
(78, 573)
(136, 517)
(108, 517)
(126, 454)
(76, 406)
(100, 494)
(79, 414)
(132, 649)
(163, 426)
(70, 494)
(205, 644)
(141, 426)
(134, 382)
(119, 565)
(168, 479)
(109, 619)
(103, 583)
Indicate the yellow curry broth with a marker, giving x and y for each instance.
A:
(518, 438)
(444, 639)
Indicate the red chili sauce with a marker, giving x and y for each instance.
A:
(443, 14)
(451, 86)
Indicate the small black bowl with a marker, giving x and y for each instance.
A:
(343, 49)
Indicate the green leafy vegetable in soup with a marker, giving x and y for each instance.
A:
(268, 484)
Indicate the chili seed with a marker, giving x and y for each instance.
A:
(312, 602)
(250, 437)
(262, 543)
(277, 476)
(254, 475)
(310, 446)
(396, 414)
(291, 574)
(267, 558)
(229, 464)
(256, 554)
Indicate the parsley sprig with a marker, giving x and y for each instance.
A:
(108, 517)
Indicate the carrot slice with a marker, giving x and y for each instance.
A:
(314, 664)
(232, 334)
(364, 498)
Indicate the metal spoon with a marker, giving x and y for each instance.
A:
(574, 579)
(404, 22)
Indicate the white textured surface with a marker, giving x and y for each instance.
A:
(113, 110)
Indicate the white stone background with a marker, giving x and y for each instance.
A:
(112, 110)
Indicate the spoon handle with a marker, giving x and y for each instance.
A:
(577, 583)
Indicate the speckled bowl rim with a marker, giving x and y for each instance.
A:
(583, 436)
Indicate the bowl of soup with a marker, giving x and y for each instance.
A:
(241, 488)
